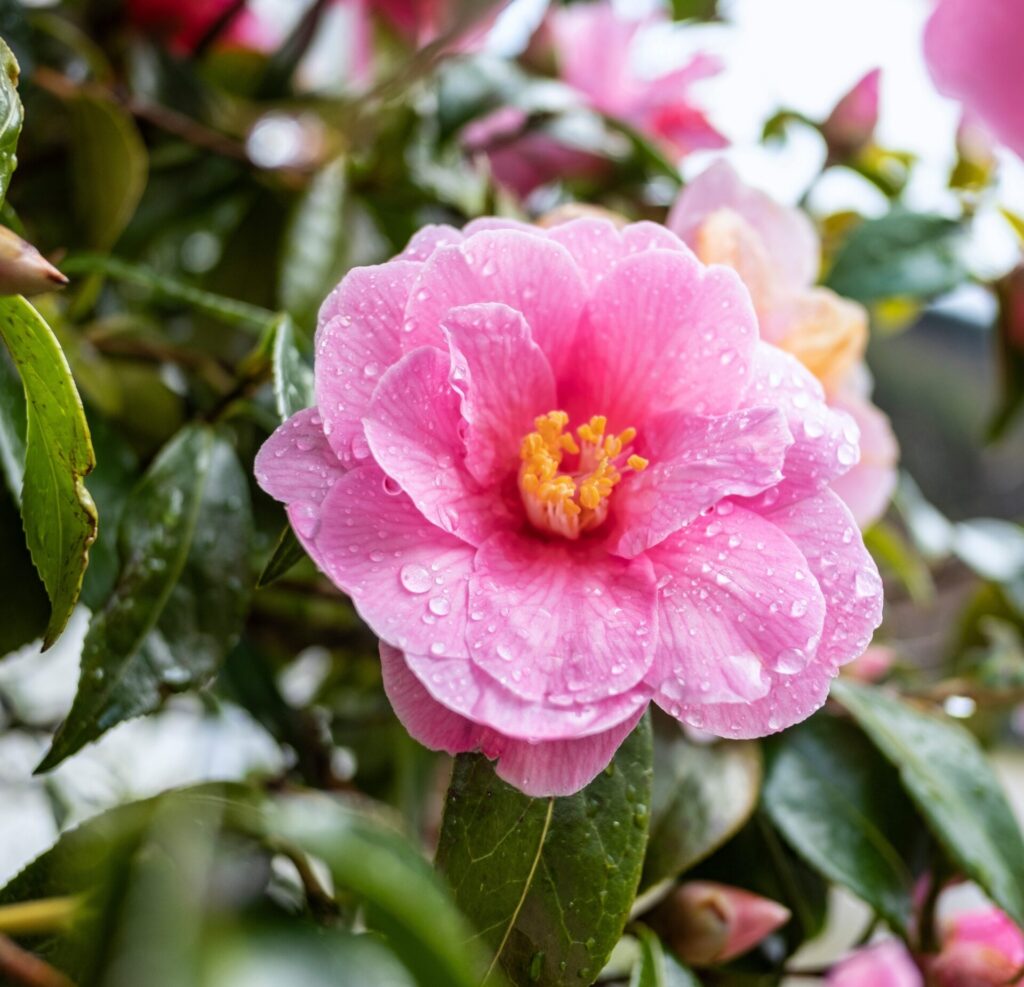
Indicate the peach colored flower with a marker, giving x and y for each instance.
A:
(776, 252)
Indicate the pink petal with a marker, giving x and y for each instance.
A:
(505, 381)
(595, 244)
(694, 463)
(662, 332)
(539, 769)
(297, 467)
(558, 622)
(406, 577)
(869, 486)
(740, 618)
(826, 439)
(526, 272)
(357, 339)
(557, 767)
(484, 223)
(973, 52)
(825, 531)
(788, 234)
(412, 427)
(427, 239)
(465, 689)
(643, 236)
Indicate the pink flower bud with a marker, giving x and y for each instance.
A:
(709, 923)
(851, 125)
(887, 964)
(872, 666)
(982, 948)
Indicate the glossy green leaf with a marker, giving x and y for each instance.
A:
(840, 806)
(657, 967)
(178, 605)
(548, 882)
(11, 116)
(313, 252)
(901, 254)
(947, 775)
(702, 10)
(109, 168)
(162, 288)
(703, 794)
(58, 514)
(13, 426)
(293, 378)
(403, 898)
(287, 553)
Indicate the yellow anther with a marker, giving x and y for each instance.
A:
(569, 501)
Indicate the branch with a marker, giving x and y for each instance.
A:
(18, 966)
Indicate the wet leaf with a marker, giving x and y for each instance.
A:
(179, 601)
(57, 512)
(11, 116)
(657, 967)
(840, 807)
(548, 882)
(293, 378)
(945, 773)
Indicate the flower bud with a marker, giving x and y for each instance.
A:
(23, 270)
(851, 125)
(707, 923)
(981, 948)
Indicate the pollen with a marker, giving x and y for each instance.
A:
(566, 481)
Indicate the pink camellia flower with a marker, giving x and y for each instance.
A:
(595, 49)
(973, 48)
(887, 964)
(777, 253)
(982, 948)
(706, 923)
(560, 476)
(183, 23)
(851, 124)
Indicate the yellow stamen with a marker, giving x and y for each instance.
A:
(569, 502)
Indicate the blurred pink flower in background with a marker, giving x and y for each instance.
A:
(535, 583)
(422, 22)
(184, 23)
(973, 49)
(595, 47)
(522, 158)
(887, 964)
(776, 251)
(851, 124)
(981, 948)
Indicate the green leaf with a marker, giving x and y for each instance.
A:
(703, 794)
(889, 548)
(11, 116)
(160, 287)
(287, 553)
(902, 254)
(840, 806)
(403, 898)
(658, 968)
(1009, 354)
(26, 607)
(313, 253)
(178, 605)
(293, 378)
(946, 774)
(702, 10)
(57, 511)
(109, 168)
(13, 426)
(549, 882)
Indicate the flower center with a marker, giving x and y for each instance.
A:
(570, 501)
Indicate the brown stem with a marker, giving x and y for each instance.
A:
(18, 966)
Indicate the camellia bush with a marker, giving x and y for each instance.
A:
(479, 552)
